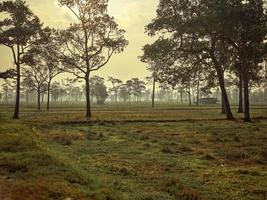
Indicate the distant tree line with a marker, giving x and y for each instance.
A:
(71, 91)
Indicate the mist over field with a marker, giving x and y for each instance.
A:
(133, 100)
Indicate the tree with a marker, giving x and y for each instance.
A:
(99, 90)
(138, 87)
(8, 88)
(50, 56)
(37, 72)
(124, 93)
(193, 30)
(245, 30)
(155, 56)
(38, 76)
(18, 32)
(89, 43)
(116, 84)
(129, 88)
(11, 73)
(27, 86)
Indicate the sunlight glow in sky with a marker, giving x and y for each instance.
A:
(131, 15)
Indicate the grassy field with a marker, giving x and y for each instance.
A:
(132, 152)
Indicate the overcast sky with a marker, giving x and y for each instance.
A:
(131, 15)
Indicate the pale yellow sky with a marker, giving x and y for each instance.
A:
(131, 15)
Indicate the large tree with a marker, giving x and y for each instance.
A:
(222, 31)
(18, 32)
(245, 29)
(90, 42)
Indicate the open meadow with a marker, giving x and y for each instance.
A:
(132, 152)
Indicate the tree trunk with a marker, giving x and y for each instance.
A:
(38, 99)
(220, 75)
(48, 95)
(189, 95)
(27, 96)
(240, 106)
(247, 117)
(42, 97)
(181, 95)
(198, 91)
(88, 99)
(6, 94)
(223, 105)
(153, 91)
(17, 105)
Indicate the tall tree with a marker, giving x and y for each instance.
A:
(138, 86)
(89, 43)
(49, 52)
(123, 93)
(129, 88)
(116, 84)
(99, 89)
(38, 77)
(156, 56)
(245, 30)
(193, 29)
(18, 32)
(27, 87)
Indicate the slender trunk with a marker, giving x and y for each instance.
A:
(247, 117)
(223, 104)
(27, 96)
(116, 97)
(181, 95)
(48, 95)
(6, 95)
(38, 99)
(189, 95)
(240, 106)
(192, 95)
(42, 97)
(153, 91)
(177, 97)
(88, 99)
(198, 91)
(92, 97)
(17, 105)
(220, 75)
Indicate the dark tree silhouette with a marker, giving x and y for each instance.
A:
(18, 32)
(202, 28)
(11, 73)
(244, 28)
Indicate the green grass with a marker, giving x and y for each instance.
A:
(133, 152)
